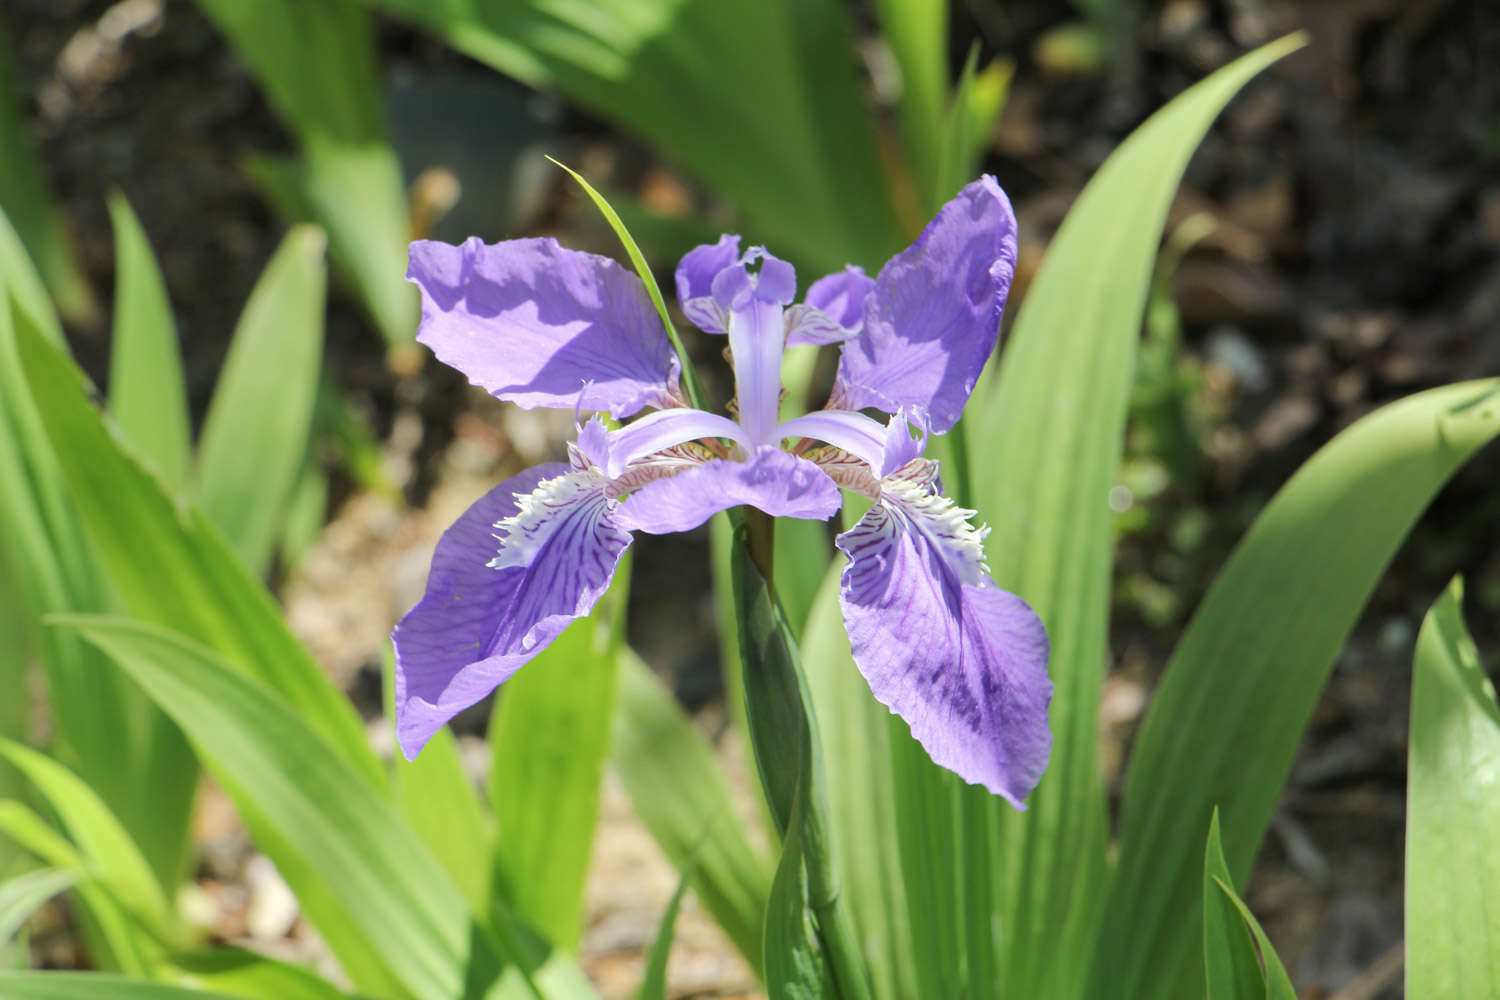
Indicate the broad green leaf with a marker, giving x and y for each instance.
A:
(106, 847)
(26, 197)
(795, 150)
(355, 193)
(333, 822)
(1229, 959)
(1224, 724)
(1452, 813)
(441, 805)
(682, 796)
(171, 567)
(239, 973)
(805, 893)
(257, 427)
(92, 986)
(853, 728)
(317, 65)
(548, 741)
(22, 895)
(112, 938)
(796, 968)
(1061, 390)
(654, 979)
(108, 730)
(147, 394)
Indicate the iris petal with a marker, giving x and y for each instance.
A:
(774, 481)
(541, 325)
(963, 663)
(477, 625)
(933, 316)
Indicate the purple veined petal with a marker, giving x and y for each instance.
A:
(477, 625)
(540, 325)
(695, 280)
(933, 316)
(663, 429)
(964, 664)
(777, 482)
(847, 429)
(833, 310)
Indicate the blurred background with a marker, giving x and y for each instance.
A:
(1335, 245)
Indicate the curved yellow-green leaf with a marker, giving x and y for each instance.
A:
(1225, 722)
(1452, 815)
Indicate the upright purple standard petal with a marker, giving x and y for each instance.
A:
(541, 325)
(962, 661)
(774, 481)
(477, 624)
(695, 279)
(932, 319)
(833, 310)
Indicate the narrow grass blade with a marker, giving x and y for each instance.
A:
(387, 883)
(690, 381)
(21, 896)
(93, 986)
(105, 845)
(1061, 390)
(147, 394)
(1229, 959)
(240, 973)
(1224, 724)
(259, 421)
(682, 796)
(113, 939)
(654, 979)
(171, 567)
(796, 968)
(106, 728)
(1452, 815)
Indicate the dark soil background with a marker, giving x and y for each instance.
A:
(1355, 258)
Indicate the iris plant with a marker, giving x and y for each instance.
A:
(960, 660)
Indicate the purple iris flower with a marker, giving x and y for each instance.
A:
(963, 662)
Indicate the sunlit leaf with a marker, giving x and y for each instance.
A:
(1452, 814)
(1226, 719)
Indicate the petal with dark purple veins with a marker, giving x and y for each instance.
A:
(933, 316)
(774, 481)
(477, 624)
(541, 325)
(963, 662)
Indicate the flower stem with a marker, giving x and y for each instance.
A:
(784, 736)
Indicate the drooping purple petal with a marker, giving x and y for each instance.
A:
(695, 280)
(779, 483)
(963, 663)
(933, 316)
(476, 625)
(833, 310)
(540, 325)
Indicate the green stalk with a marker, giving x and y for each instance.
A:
(783, 734)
